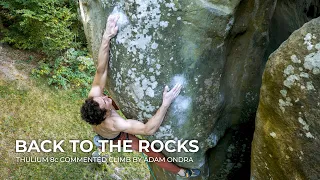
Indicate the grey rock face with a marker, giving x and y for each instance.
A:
(286, 140)
(213, 48)
(289, 16)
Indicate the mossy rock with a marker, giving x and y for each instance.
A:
(286, 139)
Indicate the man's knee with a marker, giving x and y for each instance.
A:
(96, 138)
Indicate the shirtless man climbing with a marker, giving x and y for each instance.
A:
(99, 110)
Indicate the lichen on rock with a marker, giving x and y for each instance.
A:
(292, 70)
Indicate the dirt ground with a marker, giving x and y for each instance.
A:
(16, 64)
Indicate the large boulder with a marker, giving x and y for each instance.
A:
(212, 47)
(286, 139)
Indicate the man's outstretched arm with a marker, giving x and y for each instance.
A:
(100, 77)
(138, 128)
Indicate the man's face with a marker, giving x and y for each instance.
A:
(104, 102)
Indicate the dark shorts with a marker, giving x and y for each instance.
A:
(97, 137)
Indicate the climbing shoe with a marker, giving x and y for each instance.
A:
(96, 156)
(189, 173)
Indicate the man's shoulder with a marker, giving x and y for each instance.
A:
(109, 123)
(116, 123)
(113, 119)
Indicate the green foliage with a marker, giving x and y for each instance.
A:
(50, 26)
(73, 70)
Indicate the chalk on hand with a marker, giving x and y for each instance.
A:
(123, 20)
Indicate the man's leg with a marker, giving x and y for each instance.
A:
(165, 165)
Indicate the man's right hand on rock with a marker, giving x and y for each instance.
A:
(169, 96)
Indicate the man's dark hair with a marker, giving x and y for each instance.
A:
(92, 113)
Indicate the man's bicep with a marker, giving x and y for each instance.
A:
(131, 126)
(95, 91)
(98, 83)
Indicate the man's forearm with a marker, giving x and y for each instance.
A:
(99, 80)
(103, 56)
(154, 123)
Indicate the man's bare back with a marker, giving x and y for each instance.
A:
(106, 128)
